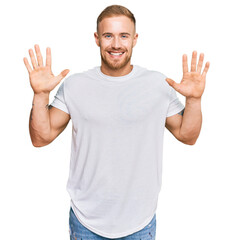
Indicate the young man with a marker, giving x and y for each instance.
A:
(119, 112)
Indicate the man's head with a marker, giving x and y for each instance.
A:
(116, 36)
(113, 11)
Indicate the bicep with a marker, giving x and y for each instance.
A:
(58, 121)
(173, 124)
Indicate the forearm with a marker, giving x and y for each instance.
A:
(191, 121)
(39, 122)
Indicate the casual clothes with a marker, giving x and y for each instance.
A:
(117, 146)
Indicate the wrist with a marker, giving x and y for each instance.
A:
(192, 100)
(41, 94)
(40, 99)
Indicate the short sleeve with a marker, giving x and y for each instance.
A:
(175, 105)
(59, 100)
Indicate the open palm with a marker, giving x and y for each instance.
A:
(192, 84)
(41, 77)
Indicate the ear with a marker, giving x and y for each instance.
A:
(135, 39)
(97, 39)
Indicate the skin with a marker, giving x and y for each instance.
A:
(186, 128)
(45, 123)
(115, 34)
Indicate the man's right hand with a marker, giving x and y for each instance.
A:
(41, 77)
(45, 123)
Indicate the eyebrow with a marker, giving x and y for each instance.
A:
(124, 33)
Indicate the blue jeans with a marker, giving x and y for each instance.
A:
(80, 232)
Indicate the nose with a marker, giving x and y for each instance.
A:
(116, 43)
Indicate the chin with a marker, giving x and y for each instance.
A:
(117, 65)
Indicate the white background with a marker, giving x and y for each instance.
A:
(196, 200)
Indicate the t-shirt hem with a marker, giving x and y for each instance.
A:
(177, 110)
(116, 235)
(59, 106)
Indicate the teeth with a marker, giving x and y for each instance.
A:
(116, 54)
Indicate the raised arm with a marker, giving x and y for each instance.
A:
(45, 122)
(186, 126)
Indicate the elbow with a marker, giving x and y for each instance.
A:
(188, 141)
(39, 142)
(38, 145)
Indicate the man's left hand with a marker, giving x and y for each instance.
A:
(192, 84)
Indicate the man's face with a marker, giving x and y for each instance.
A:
(116, 38)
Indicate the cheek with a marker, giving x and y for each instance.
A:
(129, 43)
(129, 46)
(104, 45)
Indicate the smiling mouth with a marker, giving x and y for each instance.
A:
(116, 53)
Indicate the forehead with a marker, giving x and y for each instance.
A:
(116, 24)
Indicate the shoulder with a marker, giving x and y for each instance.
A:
(78, 78)
(153, 75)
(149, 72)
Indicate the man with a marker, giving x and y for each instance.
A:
(119, 112)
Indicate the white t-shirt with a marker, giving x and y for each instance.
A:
(117, 144)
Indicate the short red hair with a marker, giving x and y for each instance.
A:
(115, 10)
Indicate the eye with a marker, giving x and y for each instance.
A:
(124, 36)
(107, 36)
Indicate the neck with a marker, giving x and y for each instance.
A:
(116, 72)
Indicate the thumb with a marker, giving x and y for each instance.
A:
(62, 75)
(173, 84)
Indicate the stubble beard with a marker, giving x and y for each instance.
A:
(116, 64)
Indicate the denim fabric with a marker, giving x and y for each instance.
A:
(80, 232)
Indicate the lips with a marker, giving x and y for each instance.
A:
(115, 54)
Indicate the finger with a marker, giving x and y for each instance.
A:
(207, 65)
(33, 60)
(48, 57)
(200, 63)
(27, 65)
(185, 63)
(62, 75)
(194, 61)
(173, 84)
(39, 56)
(64, 72)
